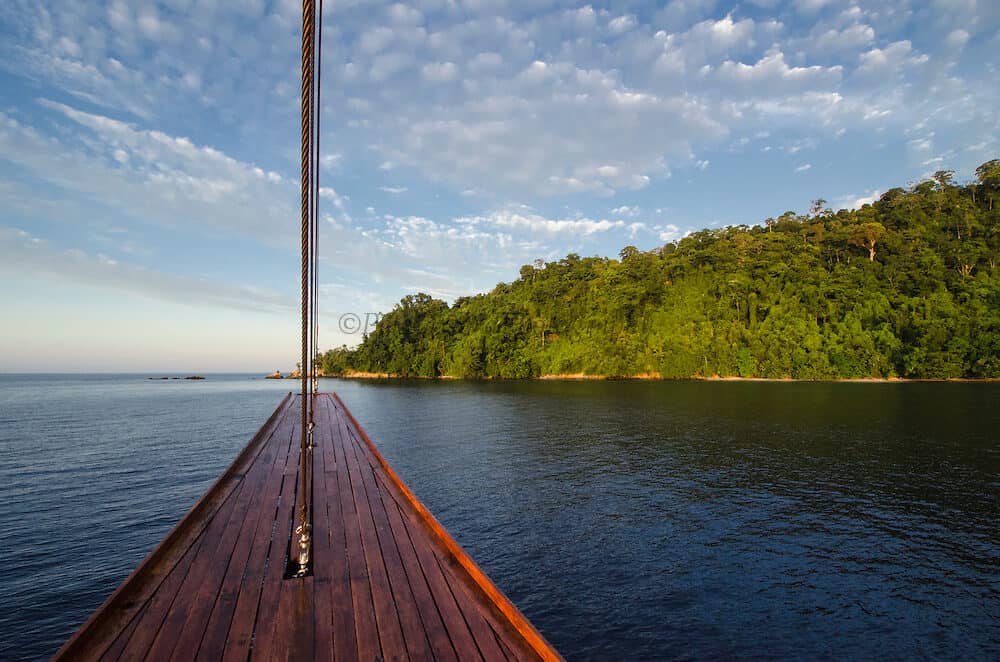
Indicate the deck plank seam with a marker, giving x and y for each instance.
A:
(362, 599)
(172, 548)
(200, 540)
(398, 590)
(389, 624)
(416, 579)
(199, 563)
(465, 616)
(347, 642)
(254, 488)
(109, 653)
(361, 448)
(360, 445)
(251, 518)
(323, 627)
(499, 605)
(148, 604)
(290, 458)
(250, 588)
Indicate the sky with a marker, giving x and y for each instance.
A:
(149, 150)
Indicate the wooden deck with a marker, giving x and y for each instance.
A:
(388, 582)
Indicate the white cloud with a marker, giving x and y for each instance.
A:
(811, 6)
(521, 137)
(835, 42)
(375, 40)
(22, 252)
(803, 167)
(854, 201)
(483, 103)
(538, 224)
(772, 75)
(621, 24)
(439, 72)
(393, 189)
(330, 161)
(387, 65)
(401, 14)
(681, 13)
(669, 232)
(956, 39)
(888, 62)
(625, 211)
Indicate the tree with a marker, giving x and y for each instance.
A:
(944, 178)
(989, 176)
(773, 301)
(867, 235)
(628, 252)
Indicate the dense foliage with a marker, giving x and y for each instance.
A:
(908, 286)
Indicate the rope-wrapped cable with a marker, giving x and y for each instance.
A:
(308, 214)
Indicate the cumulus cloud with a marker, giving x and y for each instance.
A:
(171, 179)
(520, 136)
(669, 232)
(538, 224)
(772, 75)
(500, 100)
(483, 103)
(625, 211)
(889, 62)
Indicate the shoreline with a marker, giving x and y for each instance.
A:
(656, 377)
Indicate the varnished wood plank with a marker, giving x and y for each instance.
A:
(115, 650)
(163, 610)
(414, 634)
(430, 613)
(363, 608)
(217, 630)
(277, 558)
(107, 622)
(483, 591)
(444, 597)
(293, 635)
(205, 582)
(334, 628)
(451, 614)
(504, 647)
(388, 582)
(244, 617)
(184, 601)
(390, 634)
(472, 611)
(322, 571)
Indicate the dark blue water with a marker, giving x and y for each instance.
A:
(627, 520)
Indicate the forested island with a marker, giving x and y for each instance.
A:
(906, 287)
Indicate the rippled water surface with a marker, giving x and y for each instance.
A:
(627, 520)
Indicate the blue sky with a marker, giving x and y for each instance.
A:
(149, 165)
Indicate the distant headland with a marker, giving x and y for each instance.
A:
(907, 287)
